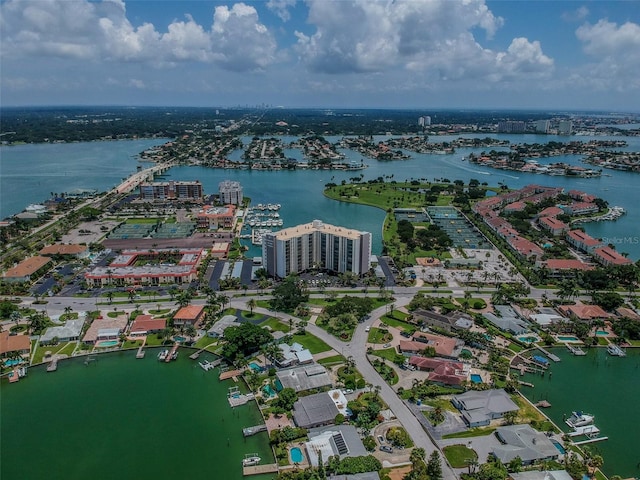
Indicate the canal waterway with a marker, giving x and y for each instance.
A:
(604, 386)
(127, 418)
(30, 172)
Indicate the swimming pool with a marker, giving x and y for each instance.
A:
(179, 339)
(12, 362)
(269, 391)
(602, 333)
(528, 338)
(107, 343)
(255, 367)
(568, 339)
(559, 447)
(475, 378)
(296, 455)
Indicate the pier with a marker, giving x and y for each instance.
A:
(591, 440)
(588, 430)
(140, 353)
(238, 400)
(260, 469)
(173, 354)
(553, 357)
(248, 431)
(575, 350)
(53, 366)
(230, 374)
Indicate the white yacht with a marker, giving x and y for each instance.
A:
(250, 459)
(579, 419)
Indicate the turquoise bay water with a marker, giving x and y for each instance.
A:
(29, 173)
(127, 418)
(604, 386)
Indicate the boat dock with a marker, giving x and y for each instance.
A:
(195, 355)
(575, 350)
(206, 365)
(230, 374)
(53, 366)
(591, 440)
(543, 404)
(140, 353)
(260, 469)
(173, 353)
(238, 400)
(588, 430)
(553, 357)
(248, 431)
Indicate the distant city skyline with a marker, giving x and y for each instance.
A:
(475, 54)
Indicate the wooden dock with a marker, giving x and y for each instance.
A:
(229, 374)
(575, 350)
(260, 469)
(172, 352)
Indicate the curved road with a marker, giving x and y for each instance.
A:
(358, 350)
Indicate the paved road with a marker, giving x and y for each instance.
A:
(358, 350)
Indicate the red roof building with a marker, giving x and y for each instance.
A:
(608, 256)
(582, 241)
(584, 312)
(552, 225)
(444, 346)
(14, 343)
(440, 370)
(145, 324)
(525, 247)
(189, 315)
(550, 212)
(555, 264)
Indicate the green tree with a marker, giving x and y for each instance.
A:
(288, 295)
(434, 466)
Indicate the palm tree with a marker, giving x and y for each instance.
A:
(251, 304)
(68, 310)
(110, 296)
(191, 331)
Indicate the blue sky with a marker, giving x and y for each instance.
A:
(322, 53)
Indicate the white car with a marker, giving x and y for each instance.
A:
(367, 329)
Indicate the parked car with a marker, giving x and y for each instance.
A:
(386, 345)
(386, 448)
(367, 329)
(380, 438)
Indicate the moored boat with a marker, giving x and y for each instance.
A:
(579, 419)
(250, 459)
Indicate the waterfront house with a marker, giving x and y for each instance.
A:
(218, 328)
(524, 442)
(105, 329)
(478, 408)
(541, 475)
(341, 440)
(214, 218)
(69, 332)
(507, 319)
(189, 315)
(314, 410)
(625, 312)
(146, 324)
(14, 343)
(584, 312)
(552, 225)
(580, 208)
(28, 270)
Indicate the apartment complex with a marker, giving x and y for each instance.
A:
(230, 192)
(316, 244)
(185, 191)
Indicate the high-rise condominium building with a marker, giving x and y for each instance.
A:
(316, 245)
(230, 192)
(565, 127)
(542, 126)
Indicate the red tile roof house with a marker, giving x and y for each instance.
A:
(580, 208)
(584, 312)
(14, 343)
(525, 247)
(146, 324)
(444, 346)
(550, 212)
(189, 315)
(440, 370)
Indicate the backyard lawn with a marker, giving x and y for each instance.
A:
(313, 343)
(459, 455)
(379, 335)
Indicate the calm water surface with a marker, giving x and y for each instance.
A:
(127, 418)
(601, 385)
